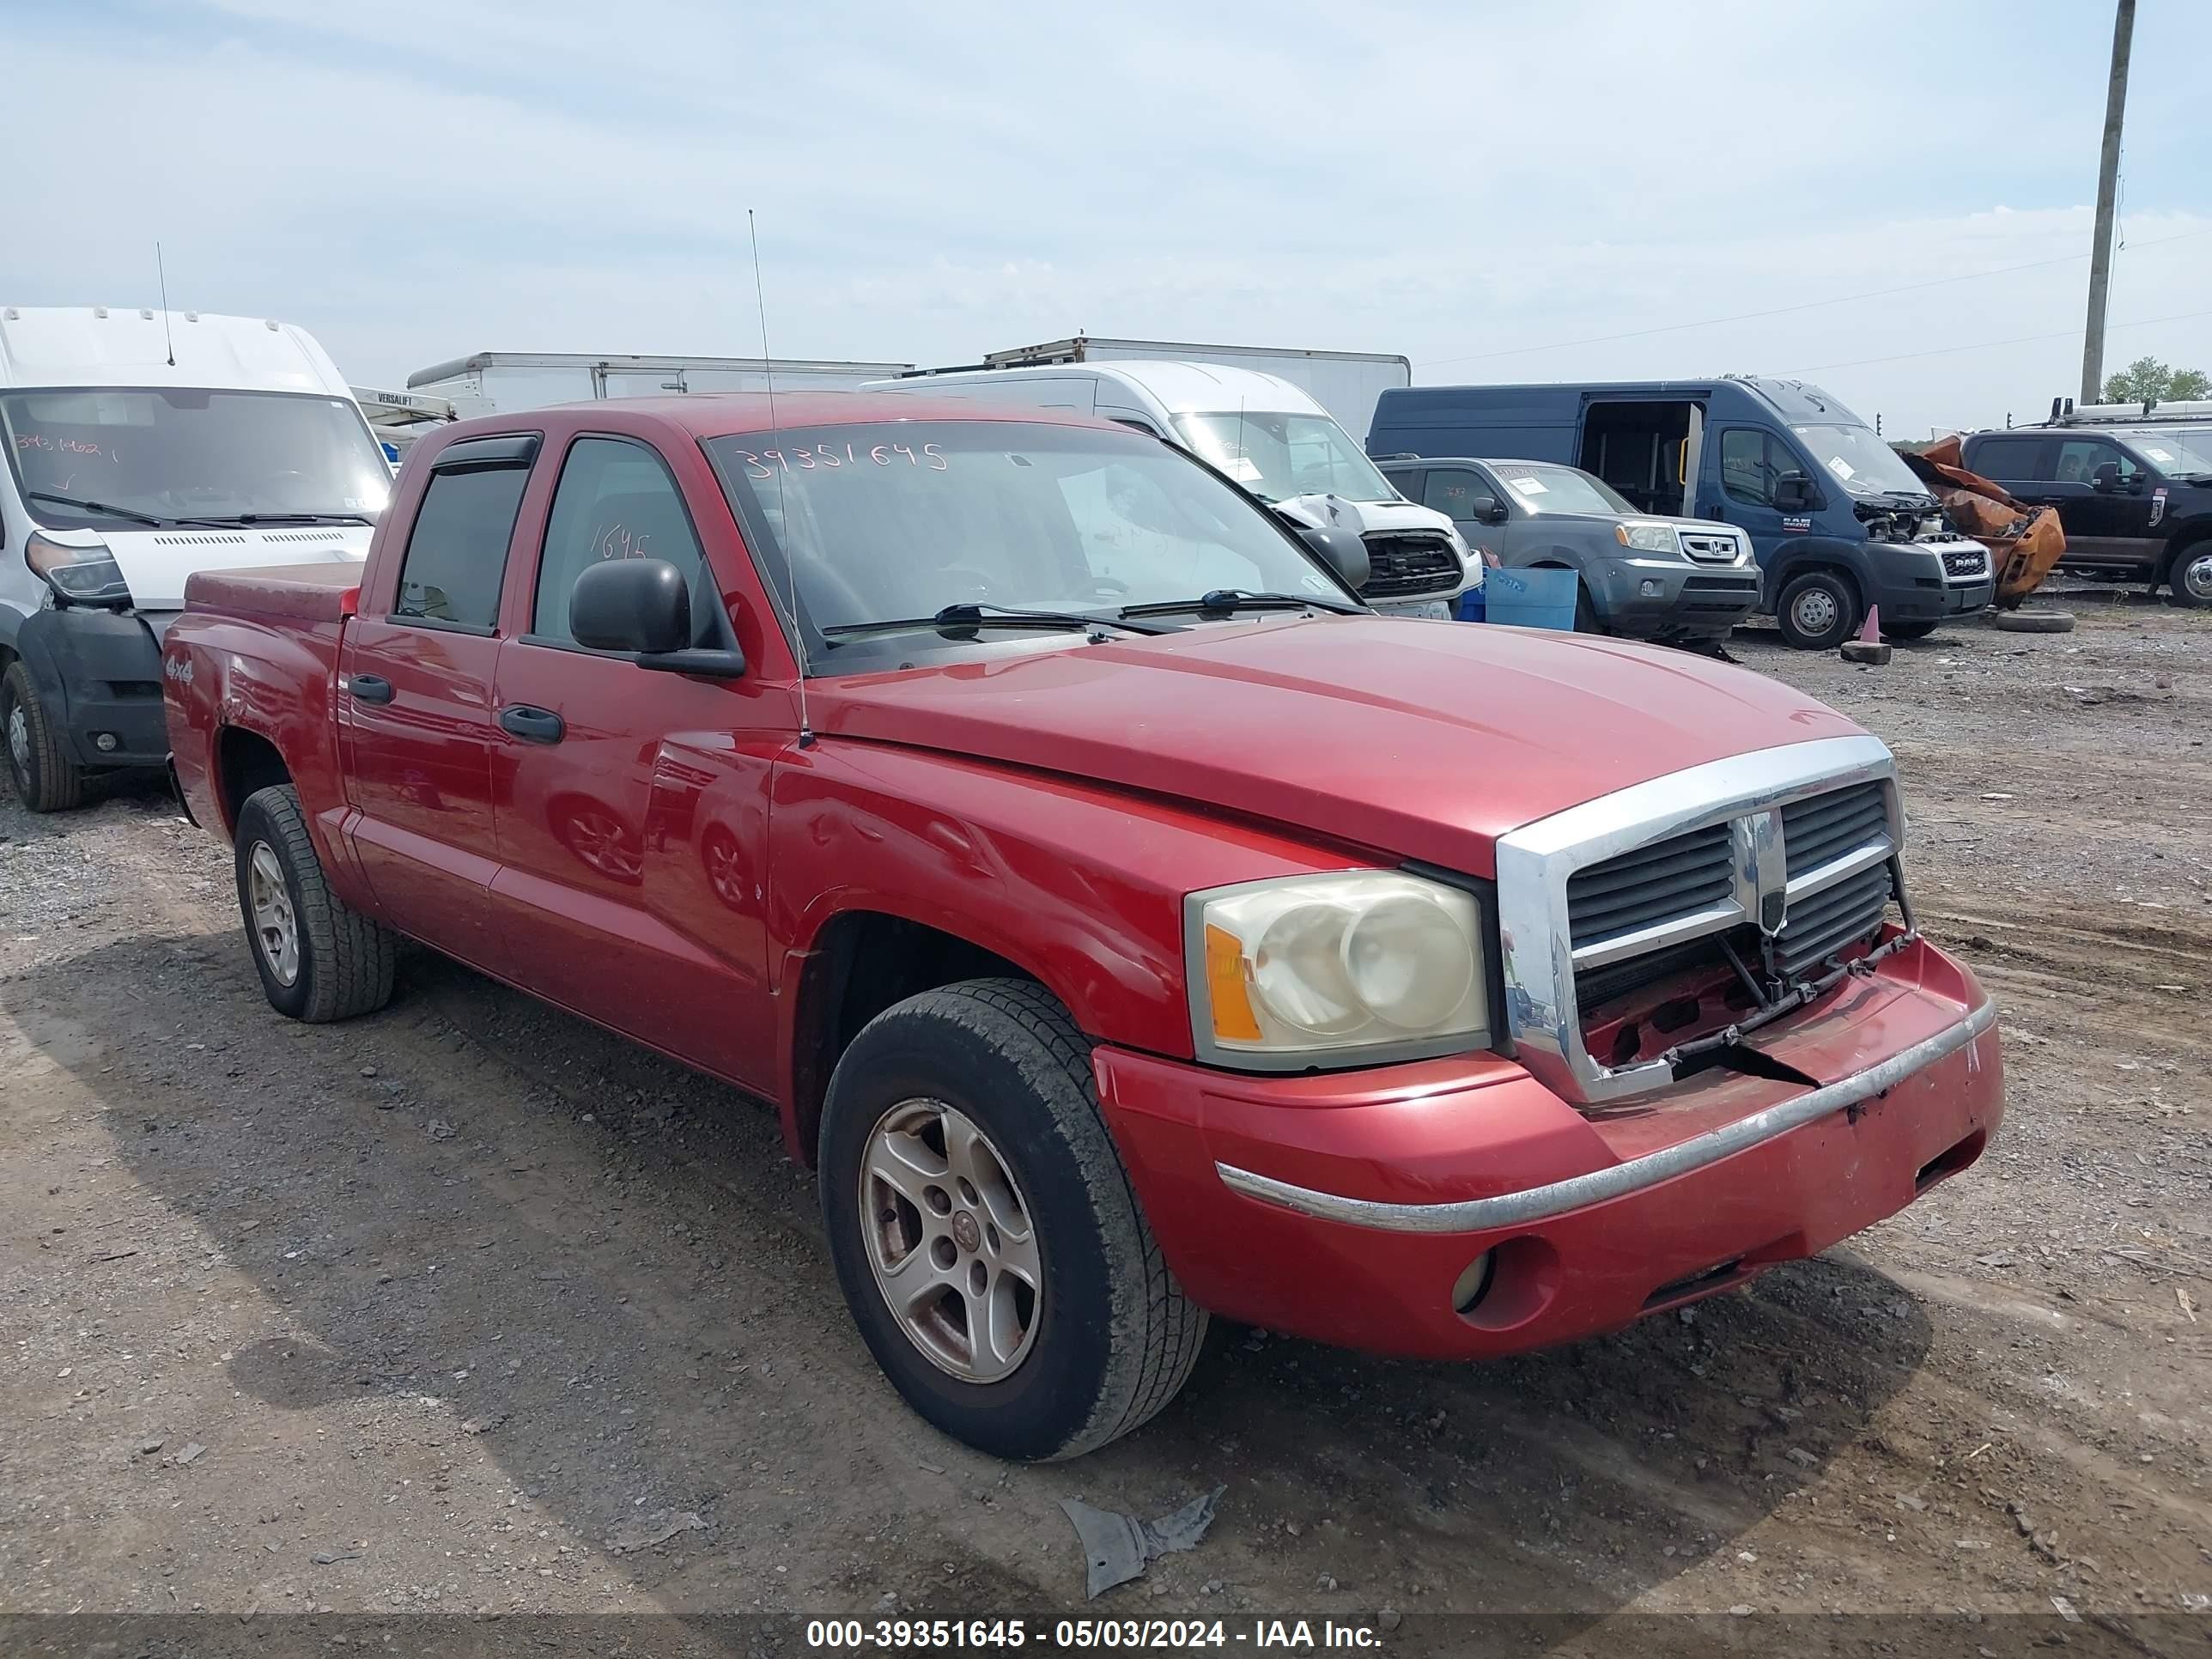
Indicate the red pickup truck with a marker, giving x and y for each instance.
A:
(1124, 922)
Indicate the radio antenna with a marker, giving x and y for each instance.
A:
(162, 277)
(783, 517)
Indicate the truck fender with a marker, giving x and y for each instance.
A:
(2182, 535)
(1808, 552)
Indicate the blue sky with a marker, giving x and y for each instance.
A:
(1487, 188)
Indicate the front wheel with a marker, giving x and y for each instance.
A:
(318, 959)
(2189, 582)
(1819, 611)
(984, 1230)
(47, 778)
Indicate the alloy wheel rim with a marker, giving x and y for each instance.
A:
(275, 929)
(2196, 576)
(1816, 612)
(951, 1240)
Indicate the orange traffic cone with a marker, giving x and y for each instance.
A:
(1869, 647)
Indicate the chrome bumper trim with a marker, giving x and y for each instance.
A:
(1537, 1203)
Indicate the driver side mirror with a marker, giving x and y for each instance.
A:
(1486, 510)
(1341, 550)
(2106, 478)
(1792, 491)
(643, 606)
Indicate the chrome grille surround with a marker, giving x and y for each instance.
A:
(1748, 794)
(1712, 546)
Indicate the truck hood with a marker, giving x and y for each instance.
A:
(1365, 517)
(1420, 740)
(156, 562)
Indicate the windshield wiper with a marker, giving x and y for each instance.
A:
(1230, 599)
(225, 520)
(970, 615)
(82, 505)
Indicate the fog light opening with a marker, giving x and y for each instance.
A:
(105, 742)
(1651, 588)
(1474, 1284)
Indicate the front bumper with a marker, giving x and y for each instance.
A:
(1654, 596)
(99, 675)
(1350, 1208)
(1911, 585)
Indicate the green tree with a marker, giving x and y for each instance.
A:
(2148, 380)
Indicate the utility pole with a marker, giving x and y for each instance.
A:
(2108, 173)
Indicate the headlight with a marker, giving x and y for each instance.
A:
(1309, 966)
(78, 576)
(1648, 538)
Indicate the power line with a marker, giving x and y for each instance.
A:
(1984, 345)
(1807, 305)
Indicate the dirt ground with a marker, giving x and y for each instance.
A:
(458, 1308)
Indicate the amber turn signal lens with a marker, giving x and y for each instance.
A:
(1233, 1018)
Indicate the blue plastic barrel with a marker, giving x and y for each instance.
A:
(1531, 599)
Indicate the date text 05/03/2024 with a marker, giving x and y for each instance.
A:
(1063, 1634)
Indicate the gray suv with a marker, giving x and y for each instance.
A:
(1642, 575)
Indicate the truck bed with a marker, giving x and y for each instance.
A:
(299, 592)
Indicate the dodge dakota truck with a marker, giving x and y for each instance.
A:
(1125, 923)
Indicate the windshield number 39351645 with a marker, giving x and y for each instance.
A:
(804, 459)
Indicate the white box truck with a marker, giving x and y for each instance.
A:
(143, 446)
(1344, 383)
(496, 382)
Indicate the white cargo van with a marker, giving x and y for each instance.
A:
(1268, 435)
(143, 446)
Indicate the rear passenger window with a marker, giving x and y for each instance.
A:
(616, 500)
(457, 552)
(2006, 457)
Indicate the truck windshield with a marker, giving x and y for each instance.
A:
(2177, 451)
(895, 520)
(1561, 490)
(1278, 456)
(1858, 460)
(167, 454)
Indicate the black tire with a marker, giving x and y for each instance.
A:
(2189, 578)
(1115, 1336)
(1911, 631)
(345, 964)
(1828, 597)
(2033, 622)
(1586, 616)
(46, 776)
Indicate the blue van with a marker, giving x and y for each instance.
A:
(1837, 521)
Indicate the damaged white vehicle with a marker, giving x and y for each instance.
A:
(1265, 433)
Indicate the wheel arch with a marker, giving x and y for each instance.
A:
(859, 961)
(245, 760)
(2187, 535)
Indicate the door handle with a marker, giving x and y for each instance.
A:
(369, 688)
(533, 724)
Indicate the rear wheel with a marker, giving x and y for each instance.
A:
(984, 1230)
(1819, 610)
(318, 959)
(46, 778)
(2190, 582)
